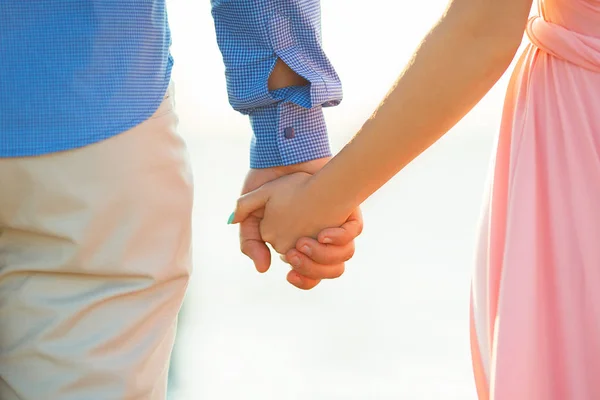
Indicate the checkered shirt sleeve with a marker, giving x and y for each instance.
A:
(288, 124)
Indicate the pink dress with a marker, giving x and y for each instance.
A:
(535, 301)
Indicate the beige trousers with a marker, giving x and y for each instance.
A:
(94, 264)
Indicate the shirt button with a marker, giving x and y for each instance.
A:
(289, 133)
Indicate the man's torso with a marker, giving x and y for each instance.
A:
(74, 72)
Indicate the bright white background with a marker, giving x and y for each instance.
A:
(396, 325)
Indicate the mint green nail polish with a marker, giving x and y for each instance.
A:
(231, 217)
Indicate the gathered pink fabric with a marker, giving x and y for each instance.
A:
(535, 301)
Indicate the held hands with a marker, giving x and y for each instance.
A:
(279, 213)
(282, 223)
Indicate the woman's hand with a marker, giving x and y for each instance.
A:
(290, 212)
(283, 222)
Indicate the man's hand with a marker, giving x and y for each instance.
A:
(312, 260)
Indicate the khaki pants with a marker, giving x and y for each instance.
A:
(94, 263)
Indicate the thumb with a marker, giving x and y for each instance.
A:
(248, 203)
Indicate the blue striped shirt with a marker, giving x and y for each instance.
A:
(76, 72)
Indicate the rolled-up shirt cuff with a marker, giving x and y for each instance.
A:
(286, 133)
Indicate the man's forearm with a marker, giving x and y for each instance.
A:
(279, 75)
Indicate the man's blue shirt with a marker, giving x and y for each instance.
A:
(75, 72)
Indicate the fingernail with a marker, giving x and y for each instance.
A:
(327, 240)
(306, 250)
(231, 217)
(295, 261)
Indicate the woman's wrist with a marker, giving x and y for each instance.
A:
(327, 201)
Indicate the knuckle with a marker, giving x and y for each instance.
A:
(239, 203)
(351, 251)
(308, 284)
(244, 247)
(359, 228)
(337, 272)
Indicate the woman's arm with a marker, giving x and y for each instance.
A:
(460, 59)
(455, 66)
